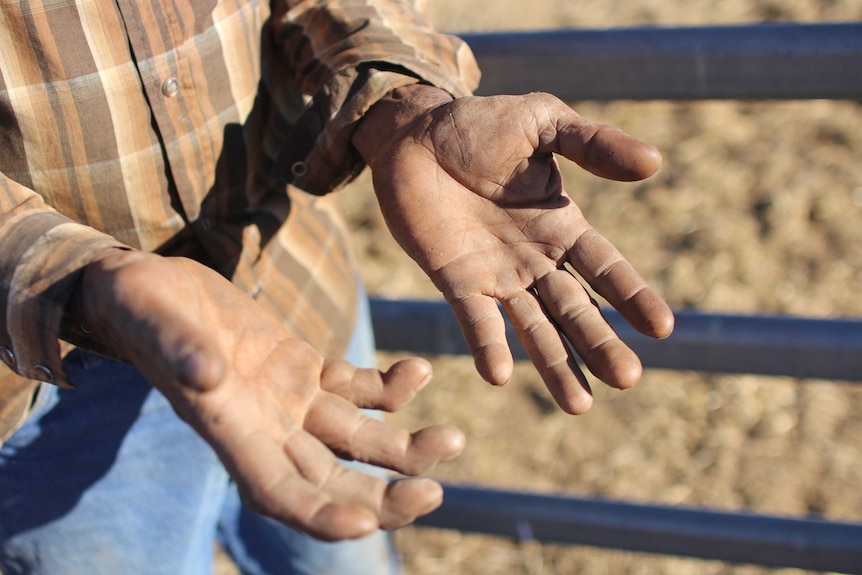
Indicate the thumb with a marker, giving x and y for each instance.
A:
(176, 351)
(195, 362)
(153, 324)
(603, 150)
(169, 343)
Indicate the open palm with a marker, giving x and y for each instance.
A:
(273, 409)
(472, 191)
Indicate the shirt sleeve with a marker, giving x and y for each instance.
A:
(346, 55)
(42, 256)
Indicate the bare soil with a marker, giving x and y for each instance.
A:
(757, 209)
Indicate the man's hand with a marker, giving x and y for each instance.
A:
(273, 409)
(471, 190)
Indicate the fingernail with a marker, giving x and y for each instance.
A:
(429, 375)
(427, 371)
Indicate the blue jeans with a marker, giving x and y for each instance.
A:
(107, 480)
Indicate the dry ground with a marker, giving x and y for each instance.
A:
(756, 209)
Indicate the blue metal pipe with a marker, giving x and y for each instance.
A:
(755, 61)
(716, 343)
(733, 537)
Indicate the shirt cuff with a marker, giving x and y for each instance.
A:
(318, 156)
(45, 255)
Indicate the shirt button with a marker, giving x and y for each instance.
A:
(299, 169)
(45, 373)
(8, 356)
(170, 87)
(255, 291)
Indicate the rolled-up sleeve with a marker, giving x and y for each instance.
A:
(42, 256)
(346, 55)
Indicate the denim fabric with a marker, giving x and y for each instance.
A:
(107, 480)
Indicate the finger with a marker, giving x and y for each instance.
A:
(548, 352)
(271, 483)
(577, 314)
(485, 331)
(395, 503)
(408, 499)
(369, 388)
(392, 504)
(603, 150)
(352, 434)
(614, 278)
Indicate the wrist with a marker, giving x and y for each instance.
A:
(391, 116)
(87, 308)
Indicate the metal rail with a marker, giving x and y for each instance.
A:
(688, 532)
(789, 346)
(763, 345)
(765, 61)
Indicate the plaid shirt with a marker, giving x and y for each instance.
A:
(176, 126)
